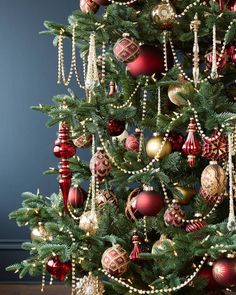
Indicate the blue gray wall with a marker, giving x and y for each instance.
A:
(28, 72)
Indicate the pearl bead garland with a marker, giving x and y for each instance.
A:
(43, 277)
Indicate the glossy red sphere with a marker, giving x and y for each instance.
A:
(149, 203)
(206, 273)
(58, 269)
(115, 127)
(224, 272)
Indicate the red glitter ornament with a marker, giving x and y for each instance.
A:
(174, 215)
(100, 164)
(149, 202)
(131, 210)
(206, 273)
(137, 249)
(191, 147)
(132, 141)
(126, 49)
(224, 272)
(220, 60)
(115, 127)
(59, 270)
(150, 61)
(76, 197)
(215, 148)
(176, 140)
(195, 226)
(211, 199)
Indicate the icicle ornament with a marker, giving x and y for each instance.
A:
(214, 73)
(92, 78)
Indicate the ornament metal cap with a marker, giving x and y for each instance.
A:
(156, 134)
(213, 162)
(147, 188)
(99, 148)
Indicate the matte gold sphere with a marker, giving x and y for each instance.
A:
(89, 222)
(153, 147)
(163, 14)
(174, 90)
(187, 192)
(40, 233)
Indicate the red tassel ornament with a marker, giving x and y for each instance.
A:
(192, 147)
(137, 241)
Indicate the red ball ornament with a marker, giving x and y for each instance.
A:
(59, 270)
(100, 164)
(195, 225)
(150, 61)
(131, 210)
(211, 199)
(126, 49)
(176, 140)
(231, 51)
(206, 273)
(102, 2)
(232, 5)
(115, 260)
(149, 202)
(215, 148)
(132, 141)
(221, 60)
(88, 6)
(115, 127)
(224, 272)
(106, 196)
(76, 197)
(174, 215)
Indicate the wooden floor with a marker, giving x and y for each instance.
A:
(33, 290)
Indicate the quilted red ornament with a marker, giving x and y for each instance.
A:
(104, 196)
(100, 164)
(59, 270)
(176, 140)
(224, 272)
(206, 273)
(191, 147)
(137, 249)
(215, 148)
(211, 199)
(131, 210)
(221, 61)
(195, 226)
(115, 127)
(126, 49)
(132, 141)
(76, 197)
(115, 260)
(174, 215)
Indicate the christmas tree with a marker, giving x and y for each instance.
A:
(152, 212)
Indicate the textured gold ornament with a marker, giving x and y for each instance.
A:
(40, 233)
(174, 91)
(90, 285)
(159, 245)
(153, 147)
(187, 192)
(89, 222)
(213, 179)
(163, 14)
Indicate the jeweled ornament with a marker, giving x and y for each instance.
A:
(176, 140)
(100, 164)
(212, 199)
(58, 269)
(206, 273)
(161, 244)
(163, 14)
(106, 196)
(156, 148)
(89, 285)
(77, 197)
(213, 179)
(149, 202)
(150, 61)
(89, 222)
(40, 232)
(126, 49)
(87, 6)
(131, 210)
(175, 91)
(115, 260)
(83, 141)
(192, 147)
(132, 141)
(224, 272)
(174, 215)
(115, 127)
(215, 148)
(187, 194)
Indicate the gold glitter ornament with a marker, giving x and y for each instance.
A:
(40, 233)
(163, 14)
(89, 222)
(90, 285)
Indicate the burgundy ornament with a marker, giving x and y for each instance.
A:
(112, 90)
(224, 272)
(215, 148)
(149, 202)
(231, 51)
(100, 164)
(137, 249)
(88, 6)
(59, 270)
(76, 197)
(174, 215)
(195, 226)
(221, 61)
(176, 140)
(106, 196)
(150, 61)
(206, 273)
(102, 2)
(64, 149)
(232, 5)
(115, 127)
(191, 147)
(132, 141)
(211, 199)
(131, 210)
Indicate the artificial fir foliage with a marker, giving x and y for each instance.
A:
(188, 234)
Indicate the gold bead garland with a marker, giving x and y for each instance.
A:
(43, 276)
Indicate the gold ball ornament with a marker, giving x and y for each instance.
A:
(187, 192)
(163, 14)
(40, 233)
(160, 244)
(154, 144)
(213, 179)
(174, 92)
(89, 285)
(89, 222)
